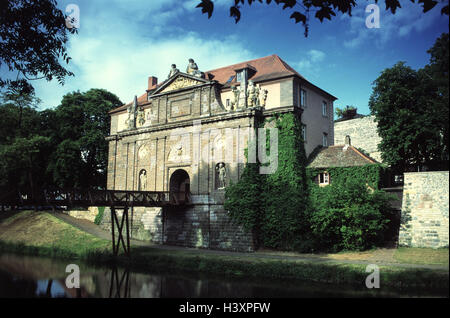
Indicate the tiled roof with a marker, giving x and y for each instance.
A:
(336, 156)
(267, 68)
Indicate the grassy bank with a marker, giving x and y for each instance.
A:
(40, 233)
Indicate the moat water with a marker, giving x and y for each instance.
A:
(25, 276)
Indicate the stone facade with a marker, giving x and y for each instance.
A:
(182, 132)
(88, 214)
(363, 134)
(425, 207)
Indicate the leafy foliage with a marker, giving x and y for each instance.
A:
(64, 147)
(33, 37)
(350, 213)
(346, 112)
(321, 9)
(273, 206)
(285, 196)
(411, 109)
(81, 154)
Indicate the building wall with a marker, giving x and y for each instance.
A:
(425, 207)
(363, 134)
(316, 123)
(205, 224)
(191, 129)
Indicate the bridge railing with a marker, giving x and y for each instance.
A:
(72, 197)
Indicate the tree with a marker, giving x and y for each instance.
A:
(81, 153)
(348, 112)
(409, 113)
(302, 9)
(438, 71)
(23, 149)
(33, 37)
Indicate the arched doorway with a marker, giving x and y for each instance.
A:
(179, 186)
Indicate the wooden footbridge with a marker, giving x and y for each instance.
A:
(114, 199)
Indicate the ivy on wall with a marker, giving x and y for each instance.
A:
(286, 210)
(273, 206)
(99, 216)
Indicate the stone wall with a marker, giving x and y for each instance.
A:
(88, 214)
(425, 207)
(363, 134)
(205, 224)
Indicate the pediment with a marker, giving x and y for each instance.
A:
(179, 81)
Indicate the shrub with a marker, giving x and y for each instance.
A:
(348, 215)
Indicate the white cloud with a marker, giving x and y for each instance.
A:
(407, 19)
(120, 53)
(309, 65)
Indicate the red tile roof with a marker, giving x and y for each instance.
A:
(267, 68)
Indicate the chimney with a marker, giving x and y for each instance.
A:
(152, 82)
(348, 142)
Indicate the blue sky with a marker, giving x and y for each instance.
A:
(121, 43)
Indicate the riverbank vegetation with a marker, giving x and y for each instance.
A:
(40, 233)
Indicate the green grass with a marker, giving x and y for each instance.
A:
(41, 233)
(414, 255)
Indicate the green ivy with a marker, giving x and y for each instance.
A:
(99, 216)
(274, 206)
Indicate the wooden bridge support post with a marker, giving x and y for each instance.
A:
(120, 225)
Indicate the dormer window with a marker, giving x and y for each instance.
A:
(238, 76)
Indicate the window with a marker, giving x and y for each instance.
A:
(304, 133)
(324, 109)
(302, 98)
(325, 140)
(324, 178)
(230, 79)
(228, 102)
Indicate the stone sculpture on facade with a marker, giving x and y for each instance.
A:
(262, 97)
(222, 175)
(192, 69)
(235, 102)
(141, 116)
(132, 113)
(143, 180)
(252, 94)
(173, 71)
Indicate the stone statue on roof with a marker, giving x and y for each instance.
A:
(173, 71)
(192, 69)
(132, 113)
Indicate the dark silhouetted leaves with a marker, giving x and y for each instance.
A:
(207, 7)
(299, 17)
(234, 12)
(323, 9)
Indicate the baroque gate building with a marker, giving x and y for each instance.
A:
(187, 135)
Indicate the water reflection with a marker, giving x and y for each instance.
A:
(23, 276)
